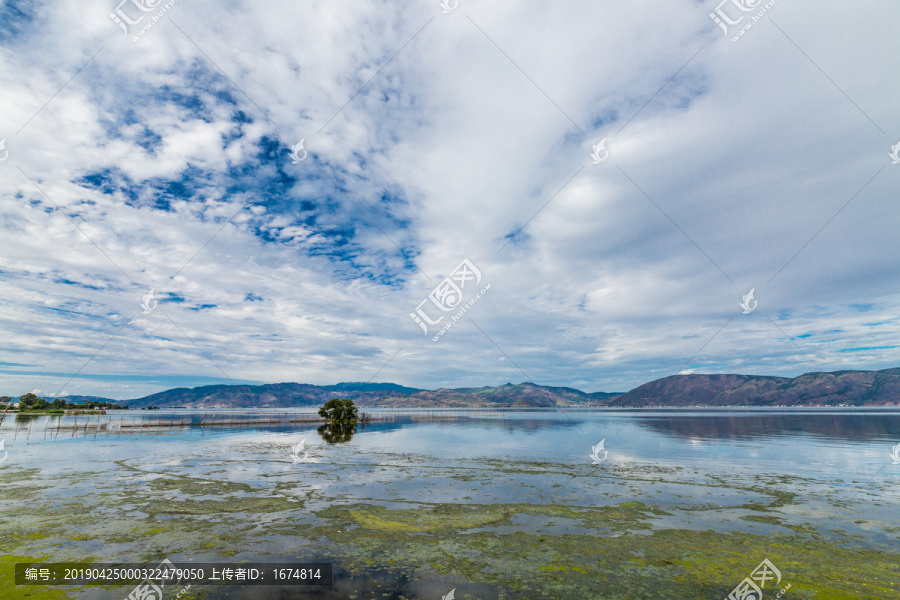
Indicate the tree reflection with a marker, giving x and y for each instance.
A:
(337, 433)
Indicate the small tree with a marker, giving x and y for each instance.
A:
(59, 403)
(27, 401)
(339, 410)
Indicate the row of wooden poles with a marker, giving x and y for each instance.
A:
(136, 424)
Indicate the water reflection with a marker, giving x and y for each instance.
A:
(29, 418)
(484, 429)
(846, 425)
(337, 433)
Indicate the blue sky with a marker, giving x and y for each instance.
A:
(166, 163)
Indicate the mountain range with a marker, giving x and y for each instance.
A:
(284, 395)
(837, 388)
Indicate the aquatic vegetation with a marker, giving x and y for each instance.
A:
(8, 590)
(510, 528)
(671, 563)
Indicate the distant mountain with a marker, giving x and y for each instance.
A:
(372, 387)
(847, 388)
(523, 394)
(83, 399)
(285, 395)
(271, 395)
(839, 388)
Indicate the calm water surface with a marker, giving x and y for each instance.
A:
(806, 441)
(837, 461)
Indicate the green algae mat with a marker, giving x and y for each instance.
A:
(403, 526)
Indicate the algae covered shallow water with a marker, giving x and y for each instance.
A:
(494, 504)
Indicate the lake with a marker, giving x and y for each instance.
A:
(489, 503)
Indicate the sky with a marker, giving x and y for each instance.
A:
(572, 193)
